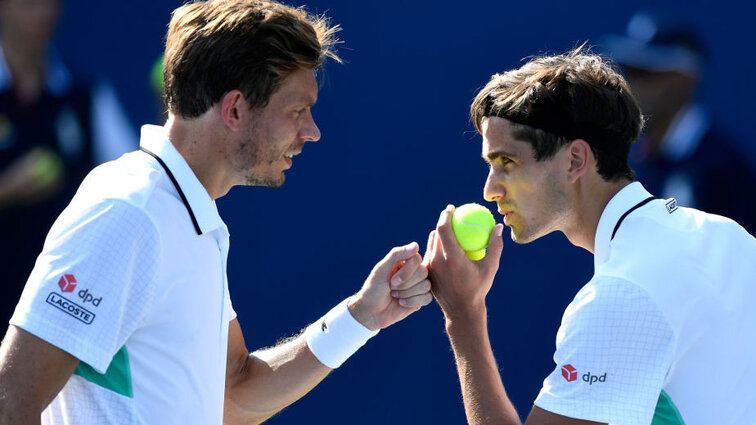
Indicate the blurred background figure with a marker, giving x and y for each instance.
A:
(158, 89)
(54, 127)
(682, 153)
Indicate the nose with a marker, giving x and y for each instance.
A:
(309, 131)
(494, 188)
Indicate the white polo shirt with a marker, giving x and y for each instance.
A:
(132, 281)
(665, 331)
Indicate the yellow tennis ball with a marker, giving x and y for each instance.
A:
(472, 225)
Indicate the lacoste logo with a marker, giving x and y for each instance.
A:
(323, 326)
(671, 205)
(71, 308)
(67, 283)
(570, 374)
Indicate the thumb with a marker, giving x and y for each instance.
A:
(495, 246)
(396, 255)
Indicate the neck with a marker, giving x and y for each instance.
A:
(591, 198)
(200, 144)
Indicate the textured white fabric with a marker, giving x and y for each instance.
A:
(670, 307)
(145, 280)
(336, 336)
(619, 346)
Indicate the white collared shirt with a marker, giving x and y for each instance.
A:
(665, 328)
(132, 281)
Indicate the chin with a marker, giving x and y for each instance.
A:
(521, 239)
(266, 181)
(274, 183)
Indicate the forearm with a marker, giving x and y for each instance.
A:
(485, 399)
(32, 372)
(272, 379)
(19, 415)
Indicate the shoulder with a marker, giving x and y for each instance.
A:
(608, 301)
(118, 194)
(678, 255)
(130, 179)
(664, 234)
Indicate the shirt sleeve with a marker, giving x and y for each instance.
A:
(614, 349)
(94, 281)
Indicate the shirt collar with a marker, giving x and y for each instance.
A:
(626, 198)
(58, 79)
(198, 203)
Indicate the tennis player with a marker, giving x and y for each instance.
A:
(126, 318)
(663, 333)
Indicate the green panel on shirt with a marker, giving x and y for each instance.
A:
(666, 412)
(117, 378)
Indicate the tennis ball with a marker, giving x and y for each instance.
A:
(472, 225)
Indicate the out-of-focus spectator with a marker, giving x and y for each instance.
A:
(682, 153)
(54, 127)
(158, 89)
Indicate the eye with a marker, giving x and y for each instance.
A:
(299, 112)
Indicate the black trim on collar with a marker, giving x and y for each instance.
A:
(638, 205)
(180, 192)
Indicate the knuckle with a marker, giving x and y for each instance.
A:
(395, 251)
(424, 286)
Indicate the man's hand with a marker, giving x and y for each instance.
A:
(32, 178)
(397, 287)
(459, 284)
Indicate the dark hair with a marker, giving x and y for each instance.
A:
(552, 100)
(213, 47)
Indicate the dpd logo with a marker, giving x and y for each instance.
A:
(570, 374)
(67, 283)
(89, 298)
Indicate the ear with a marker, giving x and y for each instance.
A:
(233, 109)
(580, 157)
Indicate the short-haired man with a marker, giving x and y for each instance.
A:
(126, 318)
(663, 332)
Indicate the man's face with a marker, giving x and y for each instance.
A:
(278, 131)
(530, 194)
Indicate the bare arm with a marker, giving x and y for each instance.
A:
(260, 384)
(460, 286)
(32, 372)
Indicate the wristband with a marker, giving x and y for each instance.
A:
(336, 336)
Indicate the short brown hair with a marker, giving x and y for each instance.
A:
(216, 46)
(552, 100)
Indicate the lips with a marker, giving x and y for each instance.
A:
(507, 216)
(289, 156)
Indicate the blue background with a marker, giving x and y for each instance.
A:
(397, 146)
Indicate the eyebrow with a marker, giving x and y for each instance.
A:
(492, 156)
